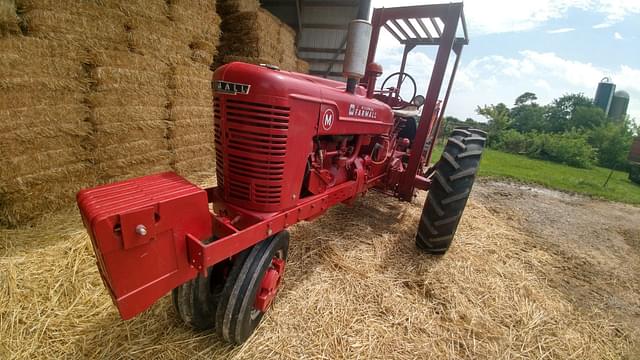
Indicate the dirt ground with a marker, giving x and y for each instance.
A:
(532, 273)
(595, 245)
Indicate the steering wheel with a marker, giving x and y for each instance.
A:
(402, 77)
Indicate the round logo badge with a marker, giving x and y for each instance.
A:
(327, 119)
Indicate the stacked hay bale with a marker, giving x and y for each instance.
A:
(251, 34)
(190, 107)
(9, 21)
(92, 92)
(43, 126)
(302, 66)
(128, 100)
(191, 135)
(230, 7)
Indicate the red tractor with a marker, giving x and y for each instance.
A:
(288, 147)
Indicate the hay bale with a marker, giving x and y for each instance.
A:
(32, 48)
(14, 99)
(287, 41)
(191, 70)
(130, 113)
(194, 166)
(191, 83)
(191, 87)
(94, 83)
(70, 6)
(289, 64)
(200, 23)
(113, 133)
(24, 163)
(9, 21)
(258, 37)
(117, 79)
(27, 197)
(197, 150)
(195, 40)
(184, 137)
(100, 28)
(122, 151)
(53, 119)
(148, 9)
(127, 97)
(203, 52)
(186, 11)
(190, 134)
(126, 60)
(33, 142)
(124, 164)
(189, 114)
(251, 34)
(156, 38)
(302, 66)
(14, 66)
(230, 7)
(40, 72)
(194, 158)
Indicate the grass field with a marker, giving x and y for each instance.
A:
(557, 176)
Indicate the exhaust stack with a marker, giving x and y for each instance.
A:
(355, 58)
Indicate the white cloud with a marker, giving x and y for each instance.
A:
(500, 16)
(617, 36)
(494, 79)
(602, 25)
(617, 10)
(560, 31)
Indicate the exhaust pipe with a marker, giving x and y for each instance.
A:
(355, 57)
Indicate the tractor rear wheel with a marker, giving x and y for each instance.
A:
(197, 299)
(252, 284)
(453, 179)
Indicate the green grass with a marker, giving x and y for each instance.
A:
(498, 164)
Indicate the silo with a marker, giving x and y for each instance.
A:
(604, 94)
(619, 105)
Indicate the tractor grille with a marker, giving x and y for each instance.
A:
(251, 143)
(217, 123)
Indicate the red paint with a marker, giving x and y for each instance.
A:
(270, 284)
(140, 269)
(288, 147)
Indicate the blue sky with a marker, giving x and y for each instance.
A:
(549, 47)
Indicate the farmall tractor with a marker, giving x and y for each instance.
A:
(288, 147)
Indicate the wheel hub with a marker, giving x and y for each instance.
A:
(270, 284)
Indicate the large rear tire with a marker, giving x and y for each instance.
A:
(256, 273)
(453, 179)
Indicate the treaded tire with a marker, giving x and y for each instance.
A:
(236, 317)
(453, 179)
(196, 300)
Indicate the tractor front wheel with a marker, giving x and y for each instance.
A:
(252, 285)
(196, 300)
(453, 179)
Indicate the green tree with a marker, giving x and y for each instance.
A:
(561, 110)
(527, 115)
(499, 119)
(527, 97)
(586, 118)
(613, 141)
